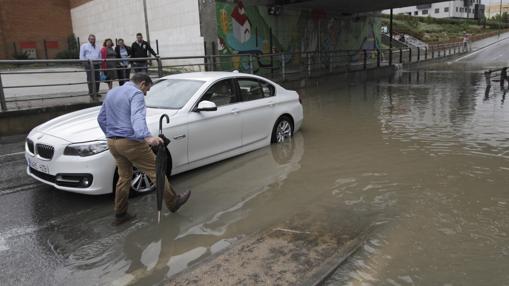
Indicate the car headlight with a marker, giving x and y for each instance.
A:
(86, 149)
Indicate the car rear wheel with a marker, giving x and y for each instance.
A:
(283, 129)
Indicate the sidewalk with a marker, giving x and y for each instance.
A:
(488, 41)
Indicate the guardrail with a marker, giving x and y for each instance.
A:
(501, 73)
(70, 74)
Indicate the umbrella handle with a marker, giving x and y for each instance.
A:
(161, 122)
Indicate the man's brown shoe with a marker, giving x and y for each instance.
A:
(122, 218)
(180, 200)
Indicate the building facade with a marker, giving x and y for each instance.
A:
(471, 9)
(38, 28)
(175, 24)
(178, 28)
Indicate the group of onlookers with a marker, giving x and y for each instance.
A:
(109, 71)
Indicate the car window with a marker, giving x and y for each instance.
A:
(221, 93)
(172, 93)
(267, 88)
(252, 89)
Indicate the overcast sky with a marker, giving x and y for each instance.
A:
(493, 1)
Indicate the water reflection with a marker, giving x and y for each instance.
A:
(225, 196)
(422, 156)
(445, 111)
(451, 202)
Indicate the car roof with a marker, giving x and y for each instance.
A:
(208, 76)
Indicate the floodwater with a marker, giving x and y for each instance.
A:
(419, 161)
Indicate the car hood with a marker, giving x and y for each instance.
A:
(81, 126)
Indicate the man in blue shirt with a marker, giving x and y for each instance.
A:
(123, 119)
(90, 51)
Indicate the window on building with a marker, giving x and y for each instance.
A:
(446, 9)
(457, 9)
(410, 13)
(437, 10)
(424, 12)
(461, 9)
(416, 13)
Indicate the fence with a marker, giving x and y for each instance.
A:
(500, 75)
(279, 67)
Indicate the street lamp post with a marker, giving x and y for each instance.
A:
(146, 20)
(500, 22)
(390, 41)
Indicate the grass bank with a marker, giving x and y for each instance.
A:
(434, 31)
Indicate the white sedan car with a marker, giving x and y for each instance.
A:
(213, 116)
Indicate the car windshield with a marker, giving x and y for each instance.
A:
(172, 93)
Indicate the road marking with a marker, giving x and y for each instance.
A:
(479, 50)
(21, 188)
(11, 154)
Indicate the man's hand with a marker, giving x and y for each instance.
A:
(154, 141)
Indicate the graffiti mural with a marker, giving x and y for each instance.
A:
(246, 29)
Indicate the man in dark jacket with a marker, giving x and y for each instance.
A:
(140, 49)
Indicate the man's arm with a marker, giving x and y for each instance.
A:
(101, 119)
(149, 48)
(82, 53)
(138, 117)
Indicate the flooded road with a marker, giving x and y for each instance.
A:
(417, 163)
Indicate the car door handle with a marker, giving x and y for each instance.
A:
(235, 111)
(179, 137)
(272, 104)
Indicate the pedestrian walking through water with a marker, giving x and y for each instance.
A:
(123, 119)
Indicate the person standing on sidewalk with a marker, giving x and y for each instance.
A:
(90, 51)
(140, 49)
(122, 119)
(123, 52)
(466, 42)
(108, 67)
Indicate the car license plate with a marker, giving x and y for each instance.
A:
(36, 165)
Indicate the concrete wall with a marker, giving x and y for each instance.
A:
(174, 23)
(27, 23)
(249, 29)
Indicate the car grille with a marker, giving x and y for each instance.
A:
(41, 175)
(30, 145)
(45, 151)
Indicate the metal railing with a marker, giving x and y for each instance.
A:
(500, 73)
(280, 67)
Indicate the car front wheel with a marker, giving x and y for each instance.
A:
(283, 129)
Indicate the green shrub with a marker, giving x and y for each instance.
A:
(73, 51)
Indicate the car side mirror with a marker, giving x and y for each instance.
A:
(206, 106)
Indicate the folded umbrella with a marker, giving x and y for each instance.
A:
(161, 166)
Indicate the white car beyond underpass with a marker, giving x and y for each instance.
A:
(213, 116)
